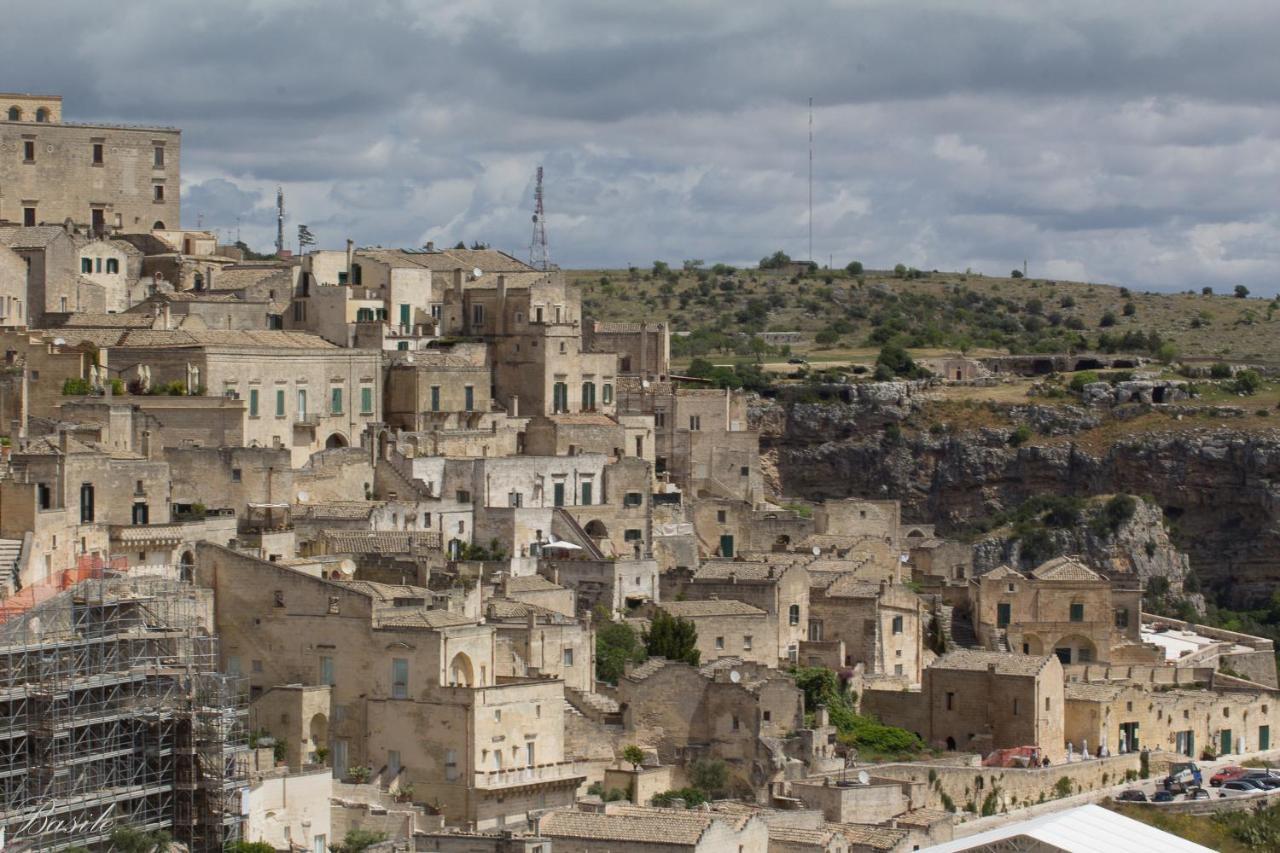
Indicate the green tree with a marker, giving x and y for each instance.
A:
(616, 645)
(896, 359)
(709, 775)
(1247, 382)
(358, 841)
(854, 268)
(1129, 309)
(126, 839)
(1206, 290)
(1108, 319)
(900, 270)
(1015, 274)
(633, 755)
(672, 638)
(826, 337)
(660, 269)
(1241, 291)
(775, 261)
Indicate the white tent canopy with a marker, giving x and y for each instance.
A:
(1084, 829)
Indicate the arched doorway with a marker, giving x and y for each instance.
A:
(319, 731)
(461, 673)
(157, 225)
(951, 744)
(335, 441)
(187, 566)
(596, 530)
(1074, 649)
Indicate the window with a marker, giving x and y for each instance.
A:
(62, 304)
(515, 499)
(735, 722)
(606, 393)
(719, 642)
(451, 765)
(477, 315)
(335, 401)
(588, 396)
(29, 151)
(158, 157)
(897, 669)
(235, 475)
(302, 404)
(326, 670)
(695, 423)
(793, 615)
(97, 153)
(746, 644)
(277, 598)
(463, 497)
(15, 114)
(253, 402)
(141, 513)
(1122, 617)
(435, 398)
(632, 499)
(158, 192)
(744, 471)
(951, 701)
(560, 397)
(568, 657)
(633, 534)
(319, 844)
(366, 400)
(468, 398)
(1077, 613)
(42, 115)
(1048, 703)
(399, 678)
(586, 493)
(113, 266)
(1015, 707)
(86, 265)
(233, 665)
(29, 216)
(659, 419)
(897, 624)
(279, 402)
(721, 515)
(86, 503)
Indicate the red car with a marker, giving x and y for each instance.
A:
(1227, 774)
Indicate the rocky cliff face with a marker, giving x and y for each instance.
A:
(1219, 488)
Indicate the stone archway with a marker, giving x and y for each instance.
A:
(335, 441)
(461, 672)
(318, 729)
(187, 566)
(596, 530)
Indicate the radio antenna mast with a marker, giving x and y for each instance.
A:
(811, 180)
(280, 222)
(539, 256)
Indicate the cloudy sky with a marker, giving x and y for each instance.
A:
(1132, 142)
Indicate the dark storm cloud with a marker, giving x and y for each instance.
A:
(1135, 142)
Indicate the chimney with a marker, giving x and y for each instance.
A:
(166, 318)
(457, 283)
(63, 441)
(431, 245)
(515, 407)
(350, 251)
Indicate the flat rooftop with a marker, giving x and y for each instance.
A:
(1177, 643)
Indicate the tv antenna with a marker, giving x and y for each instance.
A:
(280, 222)
(539, 257)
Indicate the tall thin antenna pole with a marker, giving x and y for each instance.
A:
(811, 180)
(539, 255)
(280, 223)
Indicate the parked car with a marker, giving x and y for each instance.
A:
(1133, 795)
(1242, 785)
(1226, 774)
(1263, 780)
(1197, 794)
(797, 359)
(1162, 797)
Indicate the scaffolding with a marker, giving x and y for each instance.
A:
(112, 713)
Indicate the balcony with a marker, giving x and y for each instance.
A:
(538, 774)
(307, 420)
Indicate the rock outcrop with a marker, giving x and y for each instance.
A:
(1218, 488)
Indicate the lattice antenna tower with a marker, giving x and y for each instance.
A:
(280, 222)
(539, 256)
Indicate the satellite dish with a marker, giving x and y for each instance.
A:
(59, 342)
(735, 676)
(477, 272)
(644, 383)
(816, 550)
(864, 778)
(302, 497)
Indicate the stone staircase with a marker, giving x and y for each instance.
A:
(10, 552)
(957, 628)
(594, 706)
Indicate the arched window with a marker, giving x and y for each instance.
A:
(15, 114)
(793, 615)
(86, 265)
(42, 114)
(113, 266)
(157, 225)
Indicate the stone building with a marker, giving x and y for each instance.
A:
(13, 289)
(726, 708)
(54, 280)
(729, 629)
(880, 624)
(114, 177)
(644, 349)
(647, 830)
(1061, 607)
(781, 591)
(978, 701)
(439, 388)
(416, 698)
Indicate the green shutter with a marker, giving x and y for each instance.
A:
(366, 401)
(586, 494)
(435, 398)
(280, 403)
(253, 402)
(470, 397)
(335, 401)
